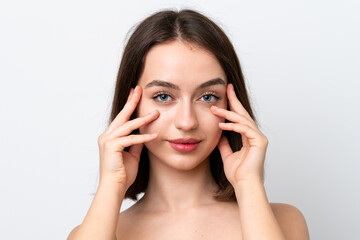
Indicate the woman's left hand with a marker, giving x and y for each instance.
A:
(248, 162)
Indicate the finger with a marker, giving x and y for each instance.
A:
(128, 109)
(244, 139)
(224, 147)
(130, 94)
(135, 150)
(232, 116)
(234, 103)
(250, 136)
(131, 125)
(120, 144)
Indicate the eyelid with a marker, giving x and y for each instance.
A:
(157, 94)
(213, 94)
(161, 92)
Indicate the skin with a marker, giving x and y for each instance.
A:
(182, 113)
(178, 202)
(180, 184)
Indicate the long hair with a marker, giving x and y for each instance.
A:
(192, 27)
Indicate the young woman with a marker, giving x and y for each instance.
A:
(182, 131)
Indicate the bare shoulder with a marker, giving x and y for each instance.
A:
(128, 224)
(73, 232)
(292, 222)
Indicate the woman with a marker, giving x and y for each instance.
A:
(182, 131)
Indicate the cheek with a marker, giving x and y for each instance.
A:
(155, 126)
(144, 108)
(210, 122)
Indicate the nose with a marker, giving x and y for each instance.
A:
(185, 118)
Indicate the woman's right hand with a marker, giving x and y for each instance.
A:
(117, 165)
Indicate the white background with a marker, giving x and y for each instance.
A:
(58, 65)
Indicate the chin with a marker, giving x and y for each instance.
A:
(181, 163)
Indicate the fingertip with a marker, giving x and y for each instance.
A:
(228, 87)
(130, 93)
(136, 88)
(231, 92)
(213, 107)
(155, 113)
(137, 93)
(222, 124)
(231, 86)
(150, 137)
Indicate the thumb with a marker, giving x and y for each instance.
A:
(135, 150)
(224, 147)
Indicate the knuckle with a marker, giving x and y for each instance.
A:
(242, 118)
(119, 146)
(114, 145)
(266, 140)
(107, 144)
(132, 137)
(130, 126)
(247, 127)
(132, 103)
(101, 139)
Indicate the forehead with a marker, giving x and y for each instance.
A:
(181, 63)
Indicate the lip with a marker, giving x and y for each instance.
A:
(184, 144)
(184, 140)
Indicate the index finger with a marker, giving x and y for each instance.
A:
(235, 104)
(128, 109)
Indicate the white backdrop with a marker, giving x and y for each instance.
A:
(59, 61)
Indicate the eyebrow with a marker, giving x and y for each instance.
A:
(166, 84)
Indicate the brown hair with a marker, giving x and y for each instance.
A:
(188, 26)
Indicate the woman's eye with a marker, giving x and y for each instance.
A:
(210, 98)
(162, 97)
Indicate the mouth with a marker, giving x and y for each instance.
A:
(184, 144)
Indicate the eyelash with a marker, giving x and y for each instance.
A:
(167, 94)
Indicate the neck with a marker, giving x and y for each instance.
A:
(175, 190)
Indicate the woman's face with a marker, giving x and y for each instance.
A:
(182, 81)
